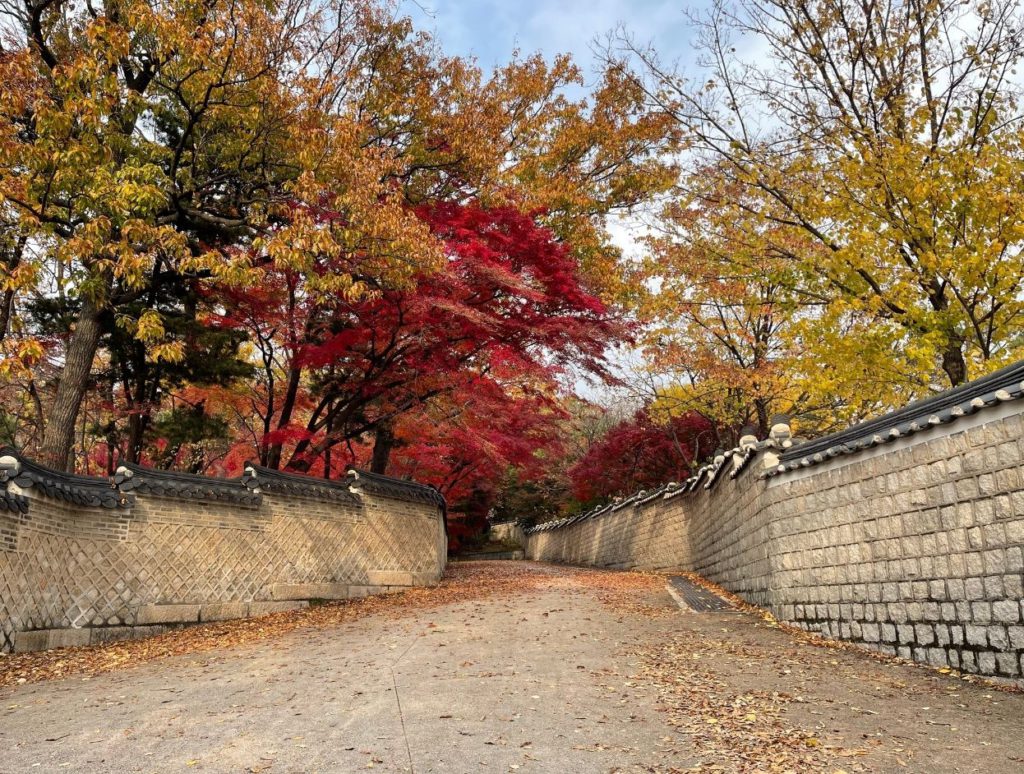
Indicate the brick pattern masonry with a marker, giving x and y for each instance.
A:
(910, 544)
(142, 554)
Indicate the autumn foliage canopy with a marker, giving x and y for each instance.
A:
(303, 234)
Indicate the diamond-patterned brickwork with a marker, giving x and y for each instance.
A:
(75, 570)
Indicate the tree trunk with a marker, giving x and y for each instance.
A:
(953, 362)
(111, 427)
(137, 424)
(7, 301)
(273, 456)
(58, 438)
(6, 306)
(140, 398)
(761, 406)
(383, 443)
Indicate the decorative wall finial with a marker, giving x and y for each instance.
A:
(10, 466)
(748, 438)
(781, 434)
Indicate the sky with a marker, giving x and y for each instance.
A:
(491, 30)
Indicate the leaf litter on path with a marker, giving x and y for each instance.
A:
(462, 582)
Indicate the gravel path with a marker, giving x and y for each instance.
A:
(561, 670)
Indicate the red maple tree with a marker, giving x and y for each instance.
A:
(492, 330)
(640, 453)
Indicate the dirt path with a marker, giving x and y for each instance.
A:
(505, 667)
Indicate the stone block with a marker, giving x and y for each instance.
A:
(1006, 611)
(26, 642)
(976, 635)
(67, 638)
(974, 589)
(998, 638)
(389, 578)
(44, 639)
(984, 511)
(1007, 664)
(974, 538)
(1014, 585)
(987, 663)
(265, 608)
(288, 591)
(1015, 529)
(994, 586)
(358, 592)
(1014, 559)
(966, 489)
(898, 613)
(104, 634)
(924, 634)
(987, 484)
(101, 635)
(223, 611)
(957, 564)
(1016, 635)
(157, 614)
(981, 612)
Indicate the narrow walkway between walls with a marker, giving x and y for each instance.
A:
(505, 667)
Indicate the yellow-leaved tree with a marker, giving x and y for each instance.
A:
(872, 153)
(146, 143)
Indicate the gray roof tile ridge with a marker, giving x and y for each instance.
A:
(1002, 386)
(396, 488)
(89, 491)
(279, 481)
(13, 503)
(240, 490)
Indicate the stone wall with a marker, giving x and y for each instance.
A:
(907, 540)
(507, 532)
(87, 560)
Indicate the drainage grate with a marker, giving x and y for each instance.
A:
(699, 599)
